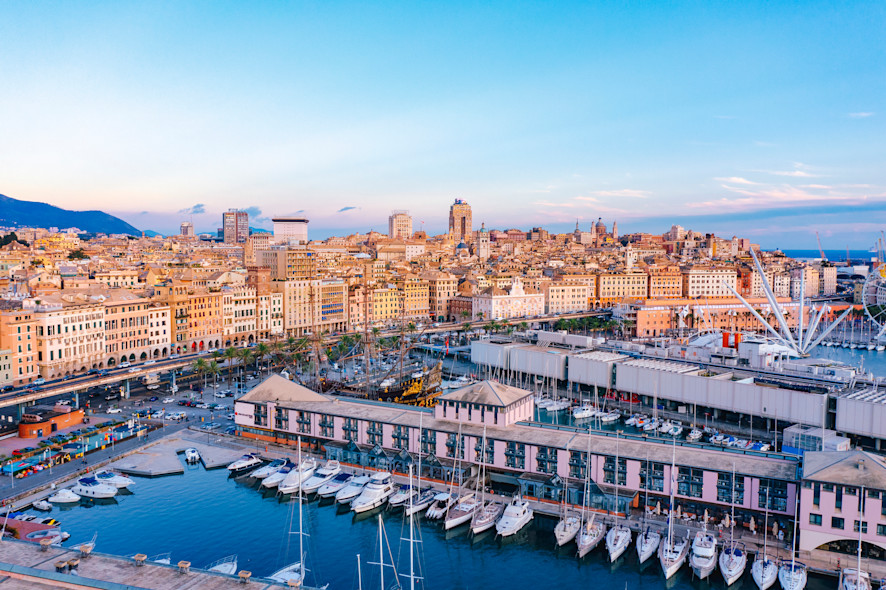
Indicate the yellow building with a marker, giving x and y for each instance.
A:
(709, 282)
(565, 296)
(18, 335)
(617, 286)
(136, 328)
(441, 289)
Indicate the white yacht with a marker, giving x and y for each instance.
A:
(333, 486)
(297, 476)
(733, 561)
(376, 492)
(694, 435)
(113, 479)
(486, 517)
(792, 575)
(584, 411)
(618, 539)
(402, 496)
(276, 478)
(764, 571)
(352, 490)
(517, 514)
(321, 476)
(651, 426)
(665, 426)
(292, 574)
(703, 559)
(245, 462)
(442, 502)
(425, 499)
(64, 496)
(647, 544)
(676, 430)
(269, 469)
(192, 455)
(853, 579)
(42, 505)
(226, 565)
(567, 528)
(672, 554)
(89, 487)
(462, 511)
(590, 535)
(610, 417)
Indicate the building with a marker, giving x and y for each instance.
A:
(187, 229)
(460, 221)
(707, 283)
(239, 307)
(495, 303)
(482, 251)
(235, 225)
(70, 334)
(18, 335)
(565, 296)
(290, 230)
(288, 263)
(136, 328)
(618, 286)
(665, 282)
(196, 315)
(313, 306)
(442, 288)
(254, 244)
(400, 225)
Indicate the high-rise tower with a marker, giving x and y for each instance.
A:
(460, 221)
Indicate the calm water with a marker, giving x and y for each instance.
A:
(202, 516)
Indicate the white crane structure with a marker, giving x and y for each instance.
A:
(805, 340)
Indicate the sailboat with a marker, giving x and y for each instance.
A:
(792, 574)
(591, 533)
(672, 553)
(382, 541)
(412, 541)
(764, 570)
(567, 527)
(489, 512)
(423, 498)
(703, 558)
(648, 540)
(855, 578)
(294, 572)
(467, 504)
(733, 558)
(619, 536)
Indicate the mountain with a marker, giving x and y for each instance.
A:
(32, 214)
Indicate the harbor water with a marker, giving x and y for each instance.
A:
(202, 516)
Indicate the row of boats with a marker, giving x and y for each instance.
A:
(100, 485)
(853, 345)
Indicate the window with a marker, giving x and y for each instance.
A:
(653, 479)
(578, 464)
(815, 519)
(838, 499)
(327, 426)
(836, 522)
(304, 422)
(455, 448)
(401, 437)
(816, 494)
(260, 416)
(546, 460)
(428, 441)
(374, 433)
(864, 526)
(484, 455)
(350, 429)
(609, 468)
(776, 491)
(881, 530)
(515, 455)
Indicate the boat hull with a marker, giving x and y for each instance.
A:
(765, 573)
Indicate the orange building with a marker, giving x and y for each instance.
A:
(40, 424)
(18, 335)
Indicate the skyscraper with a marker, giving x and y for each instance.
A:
(400, 225)
(235, 224)
(187, 229)
(289, 230)
(460, 220)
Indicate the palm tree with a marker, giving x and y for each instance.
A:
(200, 367)
(213, 369)
(262, 351)
(229, 355)
(245, 356)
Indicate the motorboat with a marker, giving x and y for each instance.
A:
(631, 420)
(296, 476)
(333, 486)
(276, 478)
(192, 455)
(703, 558)
(676, 430)
(402, 495)
(618, 539)
(647, 544)
(42, 505)
(90, 487)
(642, 421)
(486, 517)
(694, 435)
(610, 417)
(792, 575)
(291, 575)
(321, 476)
(269, 469)
(425, 499)
(516, 515)
(64, 496)
(462, 511)
(584, 411)
(87, 546)
(559, 405)
(881, 348)
(113, 479)
(733, 561)
(376, 492)
(226, 565)
(247, 461)
(352, 489)
(764, 571)
(567, 528)
(672, 555)
(161, 558)
(854, 579)
(590, 535)
(651, 426)
(442, 502)
(665, 426)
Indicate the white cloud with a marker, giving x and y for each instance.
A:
(625, 192)
(861, 115)
(735, 180)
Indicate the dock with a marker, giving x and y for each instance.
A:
(162, 457)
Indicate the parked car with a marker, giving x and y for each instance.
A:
(112, 397)
(39, 381)
(115, 411)
(168, 400)
(153, 398)
(124, 365)
(150, 362)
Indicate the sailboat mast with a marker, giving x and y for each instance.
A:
(766, 525)
(411, 537)
(359, 574)
(860, 517)
(615, 477)
(732, 518)
(301, 537)
(671, 505)
(381, 554)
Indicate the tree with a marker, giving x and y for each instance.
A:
(262, 351)
(11, 237)
(200, 367)
(77, 254)
(230, 354)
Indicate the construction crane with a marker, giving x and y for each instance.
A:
(820, 249)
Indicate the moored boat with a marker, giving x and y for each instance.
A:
(516, 515)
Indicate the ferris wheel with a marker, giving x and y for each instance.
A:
(873, 297)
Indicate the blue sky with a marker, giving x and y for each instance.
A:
(762, 119)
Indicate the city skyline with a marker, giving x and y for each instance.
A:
(733, 120)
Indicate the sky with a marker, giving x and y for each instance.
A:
(759, 119)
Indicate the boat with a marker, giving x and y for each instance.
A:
(584, 411)
(43, 505)
(569, 523)
(90, 487)
(651, 425)
(226, 565)
(665, 426)
(321, 476)
(694, 435)
(676, 430)
(192, 455)
(113, 479)
(619, 536)
(442, 502)
(486, 517)
(269, 469)
(276, 478)
(162, 558)
(291, 573)
(247, 461)
(610, 417)
(647, 544)
(881, 348)
(425, 499)
(87, 546)
(703, 557)
(296, 476)
(641, 422)
(332, 487)
(764, 570)
(733, 558)
(672, 553)
(64, 496)
(632, 420)
(589, 535)
(516, 515)
(462, 511)
(376, 492)
(792, 574)
(855, 578)
(402, 495)
(352, 489)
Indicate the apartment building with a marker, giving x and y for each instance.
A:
(239, 310)
(196, 316)
(709, 282)
(621, 285)
(565, 296)
(313, 306)
(70, 334)
(441, 289)
(665, 282)
(136, 328)
(18, 335)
